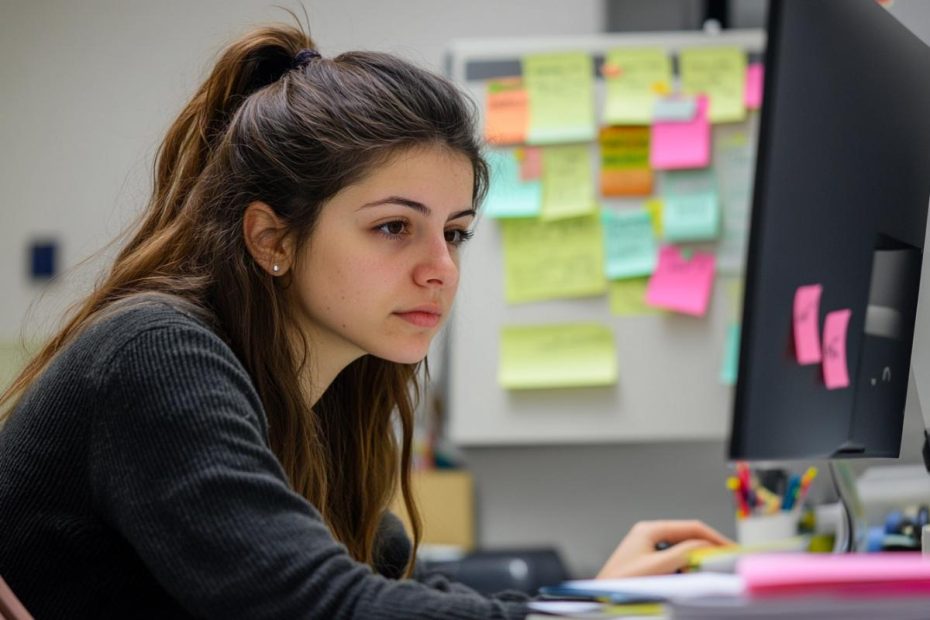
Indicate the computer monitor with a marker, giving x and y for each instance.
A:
(840, 200)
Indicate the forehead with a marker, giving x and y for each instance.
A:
(427, 174)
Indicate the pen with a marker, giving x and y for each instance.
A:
(791, 492)
(742, 472)
(806, 480)
(742, 509)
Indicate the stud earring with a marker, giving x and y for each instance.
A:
(275, 268)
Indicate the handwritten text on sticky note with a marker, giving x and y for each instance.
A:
(806, 323)
(835, 368)
(719, 73)
(568, 181)
(632, 86)
(506, 117)
(508, 194)
(561, 95)
(680, 284)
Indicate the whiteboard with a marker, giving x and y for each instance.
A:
(669, 385)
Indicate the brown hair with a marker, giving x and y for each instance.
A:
(292, 135)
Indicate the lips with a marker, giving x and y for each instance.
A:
(425, 316)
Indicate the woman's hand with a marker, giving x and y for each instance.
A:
(637, 555)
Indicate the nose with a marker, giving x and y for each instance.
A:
(437, 266)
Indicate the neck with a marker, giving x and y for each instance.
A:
(326, 359)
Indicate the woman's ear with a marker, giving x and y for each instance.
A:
(266, 238)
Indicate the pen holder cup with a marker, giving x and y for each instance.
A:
(761, 529)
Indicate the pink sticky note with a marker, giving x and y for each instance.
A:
(754, 78)
(806, 320)
(682, 144)
(531, 166)
(835, 371)
(680, 284)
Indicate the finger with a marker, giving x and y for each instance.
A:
(675, 531)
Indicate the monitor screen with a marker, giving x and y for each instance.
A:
(837, 234)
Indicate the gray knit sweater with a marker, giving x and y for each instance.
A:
(136, 481)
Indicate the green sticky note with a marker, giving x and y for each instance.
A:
(557, 356)
(720, 73)
(730, 356)
(635, 78)
(509, 195)
(628, 298)
(690, 206)
(561, 92)
(568, 181)
(629, 243)
(553, 260)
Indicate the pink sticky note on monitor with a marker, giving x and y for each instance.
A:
(681, 284)
(754, 78)
(531, 166)
(835, 370)
(806, 321)
(681, 144)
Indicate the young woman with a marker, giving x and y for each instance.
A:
(219, 429)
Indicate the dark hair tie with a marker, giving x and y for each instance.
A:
(304, 56)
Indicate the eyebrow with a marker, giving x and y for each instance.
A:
(416, 206)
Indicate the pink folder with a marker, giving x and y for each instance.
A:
(852, 574)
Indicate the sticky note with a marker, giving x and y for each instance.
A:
(568, 181)
(632, 85)
(755, 76)
(561, 97)
(835, 368)
(690, 206)
(680, 284)
(625, 167)
(719, 73)
(681, 144)
(507, 113)
(552, 260)
(629, 243)
(508, 195)
(730, 367)
(628, 297)
(734, 166)
(675, 108)
(654, 207)
(531, 164)
(806, 318)
(557, 356)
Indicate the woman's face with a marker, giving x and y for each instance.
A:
(379, 272)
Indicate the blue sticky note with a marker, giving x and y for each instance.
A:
(630, 248)
(691, 206)
(731, 356)
(509, 195)
(42, 260)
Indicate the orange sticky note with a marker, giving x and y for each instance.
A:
(625, 167)
(507, 112)
(685, 144)
(680, 284)
(835, 369)
(531, 165)
(806, 320)
(754, 80)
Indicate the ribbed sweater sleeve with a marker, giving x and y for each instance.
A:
(180, 466)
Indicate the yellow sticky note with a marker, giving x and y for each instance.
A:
(628, 298)
(720, 73)
(557, 356)
(553, 260)
(561, 96)
(654, 207)
(568, 181)
(632, 88)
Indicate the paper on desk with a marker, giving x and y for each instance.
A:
(564, 607)
(806, 317)
(561, 96)
(681, 284)
(633, 78)
(508, 194)
(568, 181)
(719, 73)
(629, 243)
(553, 260)
(682, 144)
(506, 117)
(670, 587)
(557, 356)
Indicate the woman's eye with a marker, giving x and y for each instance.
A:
(458, 236)
(393, 229)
